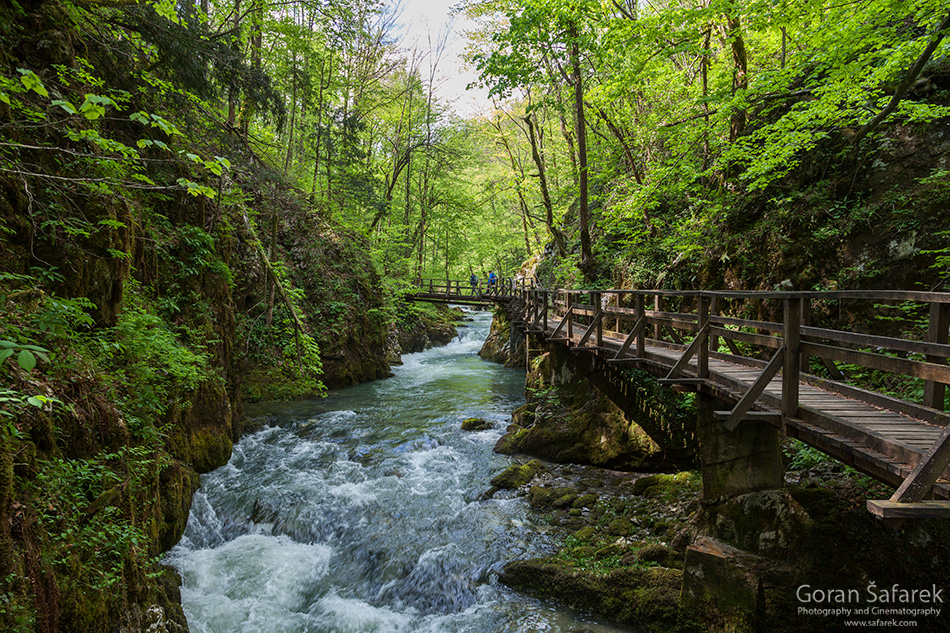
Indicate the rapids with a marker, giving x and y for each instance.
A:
(360, 513)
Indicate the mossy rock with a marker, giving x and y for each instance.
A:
(620, 526)
(666, 487)
(516, 476)
(585, 533)
(476, 424)
(581, 553)
(586, 501)
(564, 501)
(609, 551)
(510, 443)
(654, 553)
(543, 497)
(629, 595)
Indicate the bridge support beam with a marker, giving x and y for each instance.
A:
(737, 462)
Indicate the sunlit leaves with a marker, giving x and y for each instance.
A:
(31, 81)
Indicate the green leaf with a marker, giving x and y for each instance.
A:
(5, 98)
(26, 359)
(36, 402)
(5, 354)
(65, 105)
(31, 81)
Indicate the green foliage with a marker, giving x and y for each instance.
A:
(800, 456)
(152, 366)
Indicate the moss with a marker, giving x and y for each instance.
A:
(621, 526)
(511, 442)
(516, 476)
(476, 424)
(626, 595)
(564, 501)
(585, 501)
(543, 497)
(586, 533)
(667, 487)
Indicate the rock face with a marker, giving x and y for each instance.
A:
(428, 328)
(154, 307)
(504, 345)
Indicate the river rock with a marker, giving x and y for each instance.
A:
(476, 424)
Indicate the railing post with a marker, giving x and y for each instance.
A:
(806, 320)
(702, 354)
(791, 331)
(598, 308)
(713, 311)
(936, 333)
(617, 320)
(657, 328)
(569, 301)
(544, 315)
(641, 337)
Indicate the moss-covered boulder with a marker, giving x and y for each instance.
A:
(516, 476)
(665, 486)
(630, 595)
(477, 424)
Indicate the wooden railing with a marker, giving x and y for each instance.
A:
(699, 322)
(463, 288)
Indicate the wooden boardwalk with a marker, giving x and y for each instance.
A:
(792, 373)
(882, 443)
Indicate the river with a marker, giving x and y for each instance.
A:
(360, 513)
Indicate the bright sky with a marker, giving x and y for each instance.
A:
(419, 19)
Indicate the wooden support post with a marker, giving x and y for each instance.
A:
(636, 334)
(657, 328)
(702, 355)
(642, 316)
(791, 331)
(936, 333)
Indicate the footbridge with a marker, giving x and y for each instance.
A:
(460, 292)
(860, 376)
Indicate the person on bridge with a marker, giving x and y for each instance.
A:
(474, 281)
(492, 279)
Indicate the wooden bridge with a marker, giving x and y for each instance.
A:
(792, 367)
(463, 292)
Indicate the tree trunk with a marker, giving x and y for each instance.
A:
(545, 194)
(587, 256)
(740, 80)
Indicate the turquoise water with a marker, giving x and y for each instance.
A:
(361, 513)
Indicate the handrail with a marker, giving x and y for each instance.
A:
(669, 322)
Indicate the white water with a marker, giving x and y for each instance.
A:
(360, 513)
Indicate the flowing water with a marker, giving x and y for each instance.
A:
(361, 512)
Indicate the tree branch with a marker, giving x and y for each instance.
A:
(905, 85)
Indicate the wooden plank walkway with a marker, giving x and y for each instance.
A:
(700, 341)
(882, 443)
